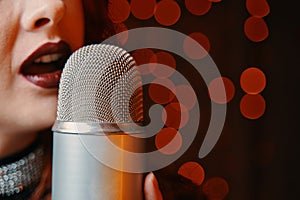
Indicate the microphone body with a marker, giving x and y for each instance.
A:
(99, 89)
(78, 175)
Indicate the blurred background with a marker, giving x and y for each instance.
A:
(254, 44)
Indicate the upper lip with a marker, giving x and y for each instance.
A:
(61, 48)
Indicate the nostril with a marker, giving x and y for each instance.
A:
(41, 22)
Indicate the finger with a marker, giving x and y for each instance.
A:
(151, 188)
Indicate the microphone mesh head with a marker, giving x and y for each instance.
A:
(100, 83)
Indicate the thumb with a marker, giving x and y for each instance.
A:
(151, 188)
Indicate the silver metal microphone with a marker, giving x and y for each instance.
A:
(100, 96)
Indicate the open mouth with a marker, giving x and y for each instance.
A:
(44, 66)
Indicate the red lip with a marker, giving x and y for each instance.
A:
(46, 75)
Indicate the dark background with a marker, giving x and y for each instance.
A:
(258, 158)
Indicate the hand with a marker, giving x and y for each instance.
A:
(151, 188)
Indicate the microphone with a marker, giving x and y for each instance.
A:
(99, 100)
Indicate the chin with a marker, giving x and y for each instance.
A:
(38, 124)
(47, 122)
(48, 118)
(43, 114)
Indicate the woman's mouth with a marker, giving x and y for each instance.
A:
(44, 66)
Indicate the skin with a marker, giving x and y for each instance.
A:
(25, 108)
(151, 188)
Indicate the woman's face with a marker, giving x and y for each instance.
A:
(36, 37)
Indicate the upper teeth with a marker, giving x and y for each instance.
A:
(48, 58)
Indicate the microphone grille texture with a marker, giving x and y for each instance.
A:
(100, 83)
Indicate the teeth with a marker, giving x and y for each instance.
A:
(48, 58)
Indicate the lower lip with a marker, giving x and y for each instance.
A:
(48, 80)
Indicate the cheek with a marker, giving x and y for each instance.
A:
(72, 25)
(8, 32)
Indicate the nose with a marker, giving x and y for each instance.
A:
(43, 13)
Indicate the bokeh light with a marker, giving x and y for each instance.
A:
(258, 8)
(159, 93)
(216, 92)
(168, 141)
(186, 96)
(175, 115)
(252, 106)
(118, 10)
(215, 188)
(253, 80)
(198, 7)
(167, 12)
(166, 59)
(142, 9)
(192, 50)
(142, 57)
(176, 110)
(256, 29)
(192, 171)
